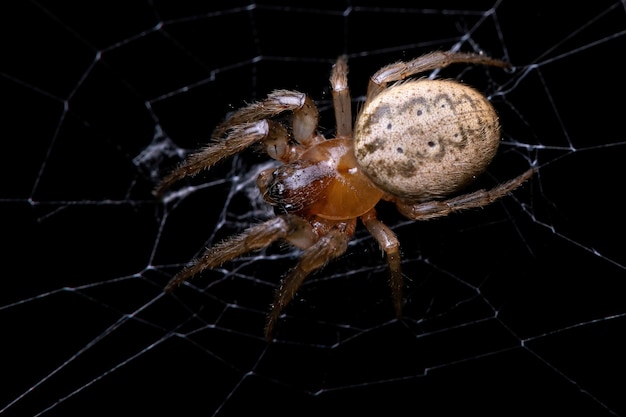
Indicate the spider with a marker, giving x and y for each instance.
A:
(415, 143)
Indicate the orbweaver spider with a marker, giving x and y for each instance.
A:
(413, 143)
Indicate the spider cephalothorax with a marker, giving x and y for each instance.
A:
(415, 143)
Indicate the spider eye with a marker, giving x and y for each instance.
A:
(271, 182)
(294, 186)
(276, 191)
(280, 190)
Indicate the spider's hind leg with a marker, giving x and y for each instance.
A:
(480, 198)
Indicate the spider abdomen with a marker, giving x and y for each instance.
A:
(426, 138)
(325, 181)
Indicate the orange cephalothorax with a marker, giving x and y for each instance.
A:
(325, 181)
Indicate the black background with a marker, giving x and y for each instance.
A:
(512, 309)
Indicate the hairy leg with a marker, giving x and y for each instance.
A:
(328, 247)
(428, 62)
(389, 243)
(254, 238)
(250, 125)
(275, 103)
(341, 98)
(480, 198)
(238, 139)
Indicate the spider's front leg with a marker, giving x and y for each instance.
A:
(250, 125)
(239, 138)
(329, 246)
(294, 228)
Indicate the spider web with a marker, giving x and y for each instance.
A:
(515, 307)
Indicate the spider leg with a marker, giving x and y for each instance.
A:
(329, 246)
(254, 238)
(341, 97)
(305, 114)
(275, 103)
(238, 139)
(480, 198)
(427, 62)
(389, 243)
(247, 126)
